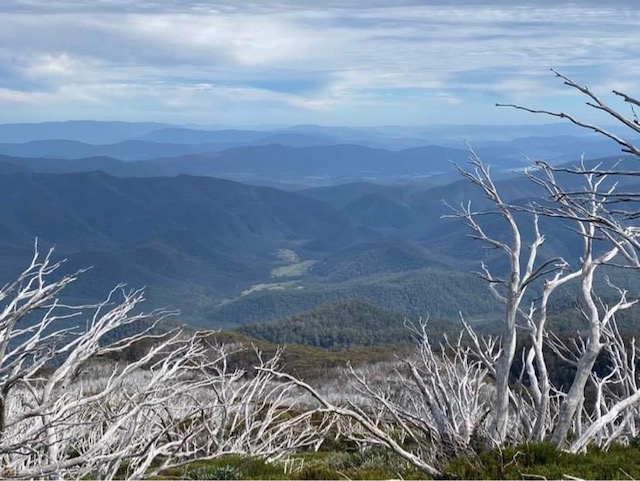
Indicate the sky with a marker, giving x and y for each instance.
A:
(299, 62)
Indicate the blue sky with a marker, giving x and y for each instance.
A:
(289, 62)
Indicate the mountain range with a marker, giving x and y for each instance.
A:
(229, 253)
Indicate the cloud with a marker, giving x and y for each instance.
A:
(354, 62)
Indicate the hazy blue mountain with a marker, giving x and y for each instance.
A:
(554, 141)
(416, 215)
(237, 137)
(8, 167)
(295, 140)
(379, 210)
(127, 150)
(142, 149)
(410, 211)
(179, 135)
(175, 235)
(61, 149)
(297, 136)
(339, 164)
(91, 131)
(341, 195)
(472, 133)
(104, 132)
(108, 165)
(554, 149)
(71, 149)
(413, 209)
(259, 164)
(509, 147)
(213, 247)
(332, 164)
(125, 210)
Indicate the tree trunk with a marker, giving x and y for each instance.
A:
(503, 369)
(575, 395)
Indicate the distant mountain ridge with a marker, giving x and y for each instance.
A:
(108, 165)
(330, 164)
(131, 209)
(125, 150)
(139, 141)
(90, 131)
(230, 253)
(210, 247)
(332, 160)
(180, 235)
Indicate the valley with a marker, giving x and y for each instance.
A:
(228, 253)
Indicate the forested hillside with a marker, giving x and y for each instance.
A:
(227, 253)
(343, 324)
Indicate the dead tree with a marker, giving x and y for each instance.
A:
(439, 398)
(68, 409)
(613, 244)
(615, 414)
(426, 410)
(525, 269)
(600, 214)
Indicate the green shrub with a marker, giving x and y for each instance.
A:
(543, 459)
(529, 460)
(216, 472)
(233, 467)
(374, 463)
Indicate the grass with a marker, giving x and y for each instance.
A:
(527, 461)
(368, 464)
(543, 461)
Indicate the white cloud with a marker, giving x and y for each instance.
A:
(174, 58)
(9, 96)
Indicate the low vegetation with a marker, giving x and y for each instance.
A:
(527, 461)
